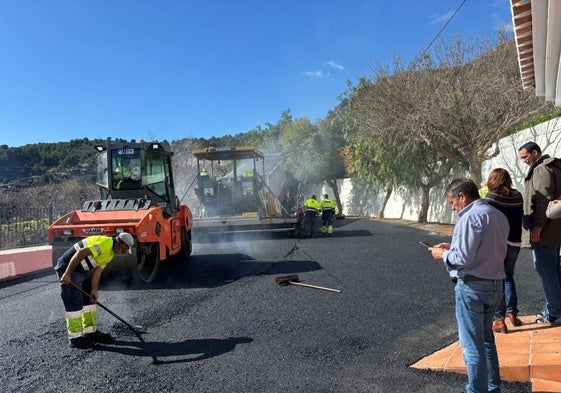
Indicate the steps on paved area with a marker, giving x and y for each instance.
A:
(530, 352)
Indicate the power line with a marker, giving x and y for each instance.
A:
(443, 27)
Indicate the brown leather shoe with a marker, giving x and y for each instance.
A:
(513, 319)
(499, 325)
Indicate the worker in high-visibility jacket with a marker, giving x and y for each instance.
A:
(311, 210)
(82, 264)
(327, 215)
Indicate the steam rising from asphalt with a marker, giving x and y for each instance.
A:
(124, 277)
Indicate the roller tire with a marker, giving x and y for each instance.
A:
(186, 245)
(148, 262)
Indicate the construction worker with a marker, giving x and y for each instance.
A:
(327, 215)
(82, 265)
(247, 183)
(204, 179)
(121, 172)
(311, 209)
(483, 191)
(248, 173)
(126, 176)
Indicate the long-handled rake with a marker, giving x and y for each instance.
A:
(136, 330)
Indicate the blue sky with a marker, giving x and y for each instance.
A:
(170, 69)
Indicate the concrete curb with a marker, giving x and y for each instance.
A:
(16, 262)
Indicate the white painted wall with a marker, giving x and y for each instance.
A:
(404, 204)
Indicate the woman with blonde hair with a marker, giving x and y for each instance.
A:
(509, 201)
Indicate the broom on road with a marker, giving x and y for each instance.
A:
(293, 279)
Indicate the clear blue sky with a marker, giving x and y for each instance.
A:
(173, 69)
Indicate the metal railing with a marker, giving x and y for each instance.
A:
(24, 227)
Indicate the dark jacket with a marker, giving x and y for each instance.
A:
(511, 206)
(541, 185)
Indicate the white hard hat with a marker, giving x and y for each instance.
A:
(127, 239)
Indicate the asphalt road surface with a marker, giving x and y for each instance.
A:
(220, 323)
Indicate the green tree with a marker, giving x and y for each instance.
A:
(391, 163)
(460, 100)
(313, 151)
(329, 152)
(383, 155)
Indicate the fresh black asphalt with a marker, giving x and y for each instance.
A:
(220, 323)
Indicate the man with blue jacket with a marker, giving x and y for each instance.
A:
(475, 262)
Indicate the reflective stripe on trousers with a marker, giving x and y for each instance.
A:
(74, 324)
(81, 322)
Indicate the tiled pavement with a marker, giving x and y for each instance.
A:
(530, 352)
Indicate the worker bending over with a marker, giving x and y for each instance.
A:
(311, 209)
(82, 265)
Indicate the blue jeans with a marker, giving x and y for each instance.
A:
(476, 302)
(509, 302)
(546, 263)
